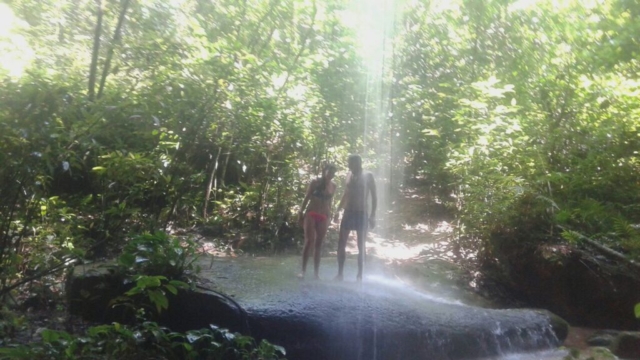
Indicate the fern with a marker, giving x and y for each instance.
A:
(571, 236)
(624, 230)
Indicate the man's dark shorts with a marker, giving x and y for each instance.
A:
(354, 220)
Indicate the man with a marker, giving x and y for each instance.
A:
(358, 186)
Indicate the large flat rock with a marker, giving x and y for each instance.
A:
(379, 318)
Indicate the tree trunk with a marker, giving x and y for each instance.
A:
(226, 162)
(264, 189)
(212, 179)
(93, 70)
(114, 42)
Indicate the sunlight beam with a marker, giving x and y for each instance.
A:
(15, 52)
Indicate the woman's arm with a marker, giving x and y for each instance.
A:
(305, 202)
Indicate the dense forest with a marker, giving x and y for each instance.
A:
(132, 117)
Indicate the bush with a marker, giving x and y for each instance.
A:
(159, 254)
(145, 341)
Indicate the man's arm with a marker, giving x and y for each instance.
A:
(343, 199)
(374, 201)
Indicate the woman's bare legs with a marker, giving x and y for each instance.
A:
(321, 231)
(309, 242)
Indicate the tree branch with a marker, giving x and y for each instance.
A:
(302, 48)
(605, 250)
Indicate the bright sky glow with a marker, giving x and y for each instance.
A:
(369, 19)
(15, 53)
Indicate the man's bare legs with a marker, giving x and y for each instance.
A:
(309, 242)
(342, 252)
(361, 252)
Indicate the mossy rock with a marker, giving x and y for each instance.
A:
(90, 290)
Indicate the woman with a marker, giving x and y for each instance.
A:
(316, 219)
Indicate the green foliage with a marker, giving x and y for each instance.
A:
(520, 115)
(157, 264)
(150, 291)
(142, 260)
(505, 100)
(159, 254)
(197, 100)
(10, 323)
(147, 340)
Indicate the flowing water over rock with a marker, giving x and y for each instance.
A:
(380, 318)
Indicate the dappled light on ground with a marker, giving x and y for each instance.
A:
(410, 230)
(442, 227)
(395, 249)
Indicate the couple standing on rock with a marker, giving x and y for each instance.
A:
(315, 217)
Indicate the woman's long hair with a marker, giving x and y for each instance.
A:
(323, 180)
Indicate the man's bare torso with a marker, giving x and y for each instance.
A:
(356, 191)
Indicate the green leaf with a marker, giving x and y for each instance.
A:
(570, 236)
(280, 349)
(563, 216)
(134, 291)
(140, 259)
(97, 330)
(193, 337)
(158, 298)
(49, 336)
(149, 281)
(179, 284)
(172, 289)
(229, 336)
(127, 260)
(637, 310)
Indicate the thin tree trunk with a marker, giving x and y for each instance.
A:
(264, 189)
(212, 179)
(116, 39)
(279, 201)
(226, 163)
(93, 70)
(189, 140)
(174, 207)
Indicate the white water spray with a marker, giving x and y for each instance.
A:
(374, 21)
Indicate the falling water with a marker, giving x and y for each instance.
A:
(374, 25)
(374, 22)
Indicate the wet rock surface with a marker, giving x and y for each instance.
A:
(625, 344)
(90, 291)
(586, 290)
(380, 318)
